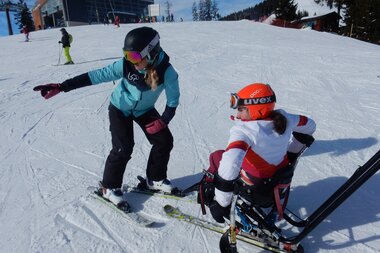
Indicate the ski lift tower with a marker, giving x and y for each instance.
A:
(8, 6)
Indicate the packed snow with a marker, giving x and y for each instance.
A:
(52, 150)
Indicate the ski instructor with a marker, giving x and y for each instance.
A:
(145, 72)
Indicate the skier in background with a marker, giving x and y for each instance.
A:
(145, 72)
(25, 31)
(117, 21)
(262, 141)
(66, 40)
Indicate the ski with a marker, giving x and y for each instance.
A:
(142, 188)
(125, 210)
(258, 240)
(135, 189)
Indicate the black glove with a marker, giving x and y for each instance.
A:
(48, 90)
(218, 212)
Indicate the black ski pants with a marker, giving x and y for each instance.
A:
(121, 128)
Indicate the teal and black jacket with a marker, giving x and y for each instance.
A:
(132, 94)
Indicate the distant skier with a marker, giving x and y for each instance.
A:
(66, 41)
(117, 21)
(145, 72)
(261, 142)
(105, 20)
(25, 31)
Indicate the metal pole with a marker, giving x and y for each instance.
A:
(113, 11)
(10, 31)
(53, 19)
(68, 16)
(60, 52)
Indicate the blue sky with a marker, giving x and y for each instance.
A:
(180, 8)
(4, 26)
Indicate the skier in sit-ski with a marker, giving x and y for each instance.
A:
(145, 72)
(261, 142)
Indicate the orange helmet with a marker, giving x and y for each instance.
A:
(259, 98)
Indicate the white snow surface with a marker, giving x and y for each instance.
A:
(52, 150)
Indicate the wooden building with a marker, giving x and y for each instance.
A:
(325, 23)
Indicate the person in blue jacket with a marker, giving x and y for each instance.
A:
(145, 72)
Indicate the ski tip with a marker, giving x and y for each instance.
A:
(124, 206)
(178, 192)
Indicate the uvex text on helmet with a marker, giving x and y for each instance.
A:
(259, 98)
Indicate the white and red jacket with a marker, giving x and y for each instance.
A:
(258, 150)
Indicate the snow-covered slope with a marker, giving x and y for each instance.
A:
(51, 150)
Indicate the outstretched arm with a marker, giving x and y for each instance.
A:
(111, 72)
(52, 89)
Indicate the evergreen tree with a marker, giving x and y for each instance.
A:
(301, 14)
(24, 17)
(207, 5)
(214, 11)
(194, 11)
(207, 10)
(286, 10)
(332, 3)
(363, 20)
(202, 10)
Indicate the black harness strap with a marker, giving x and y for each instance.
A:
(224, 185)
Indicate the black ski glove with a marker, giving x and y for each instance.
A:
(218, 212)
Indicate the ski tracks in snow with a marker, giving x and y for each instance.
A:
(69, 228)
(104, 230)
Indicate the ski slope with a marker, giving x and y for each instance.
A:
(52, 150)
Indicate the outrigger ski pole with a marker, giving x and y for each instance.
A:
(229, 245)
(360, 176)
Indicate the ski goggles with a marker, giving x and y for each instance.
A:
(136, 57)
(236, 101)
(133, 56)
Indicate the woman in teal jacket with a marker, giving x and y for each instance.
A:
(145, 72)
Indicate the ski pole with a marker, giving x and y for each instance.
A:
(233, 248)
(228, 245)
(59, 55)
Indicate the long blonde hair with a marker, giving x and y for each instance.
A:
(151, 78)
